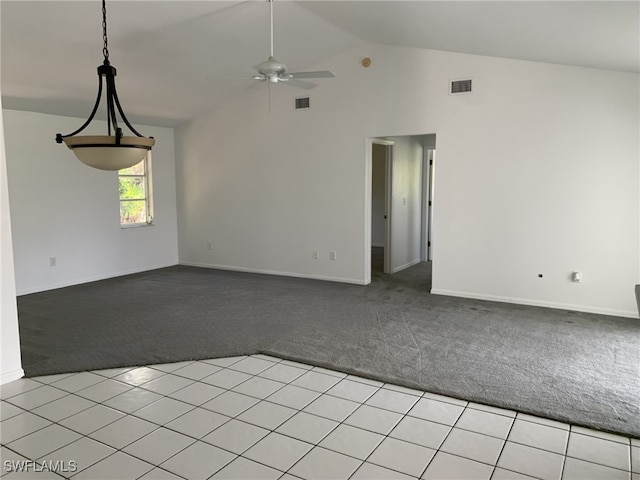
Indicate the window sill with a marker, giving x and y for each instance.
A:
(127, 226)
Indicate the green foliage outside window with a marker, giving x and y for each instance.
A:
(134, 208)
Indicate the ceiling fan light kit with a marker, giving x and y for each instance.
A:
(112, 151)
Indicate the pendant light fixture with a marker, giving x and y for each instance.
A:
(112, 151)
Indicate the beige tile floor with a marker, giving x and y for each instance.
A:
(260, 417)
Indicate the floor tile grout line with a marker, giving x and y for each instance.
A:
(121, 450)
(504, 444)
(544, 450)
(566, 450)
(177, 453)
(241, 455)
(519, 414)
(385, 437)
(59, 398)
(586, 433)
(626, 444)
(452, 427)
(442, 443)
(46, 403)
(60, 448)
(571, 432)
(596, 463)
(256, 442)
(52, 422)
(391, 468)
(318, 446)
(68, 416)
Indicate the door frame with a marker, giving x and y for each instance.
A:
(428, 165)
(370, 141)
(431, 159)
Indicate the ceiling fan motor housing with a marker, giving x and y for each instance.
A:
(272, 67)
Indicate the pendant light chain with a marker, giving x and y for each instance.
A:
(113, 151)
(105, 49)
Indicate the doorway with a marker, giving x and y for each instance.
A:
(381, 170)
(399, 227)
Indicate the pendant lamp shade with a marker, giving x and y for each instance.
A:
(103, 153)
(113, 151)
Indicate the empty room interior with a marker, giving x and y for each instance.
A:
(320, 239)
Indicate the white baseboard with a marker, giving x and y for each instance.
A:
(406, 265)
(353, 281)
(93, 278)
(537, 303)
(7, 377)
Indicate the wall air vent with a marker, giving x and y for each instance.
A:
(458, 87)
(302, 103)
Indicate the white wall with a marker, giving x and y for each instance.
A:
(406, 202)
(267, 189)
(537, 173)
(378, 196)
(10, 360)
(543, 179)
(62, 208)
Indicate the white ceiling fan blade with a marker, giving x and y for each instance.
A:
(298, 83)
(319, 74)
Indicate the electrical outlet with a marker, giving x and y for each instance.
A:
(332, 255)
(52, 261)
(209, 245)
(316, 254)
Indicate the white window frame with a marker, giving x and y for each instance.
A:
(148, 186)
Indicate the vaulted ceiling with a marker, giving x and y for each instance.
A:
(178, 58)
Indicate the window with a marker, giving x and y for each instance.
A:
(136, 205)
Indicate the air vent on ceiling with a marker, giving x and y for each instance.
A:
(458, 87)
(302, 103)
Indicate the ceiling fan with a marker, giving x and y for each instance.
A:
(273, 71)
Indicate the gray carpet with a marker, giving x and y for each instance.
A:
(574, 367)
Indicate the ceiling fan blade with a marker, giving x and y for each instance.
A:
(298, 84)
(319, 74)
